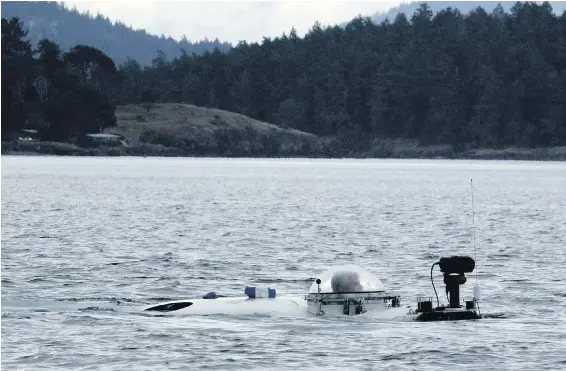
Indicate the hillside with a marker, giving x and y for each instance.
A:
(171, 129)
(478, 80)
(199, 131)
(465, 7)
(424, 85)
(68, 27)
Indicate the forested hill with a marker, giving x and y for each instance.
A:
(463, 6)
(68, 27)
(479, 79)
(476, 80)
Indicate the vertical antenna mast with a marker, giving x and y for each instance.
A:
(476, 288)
(474, 227)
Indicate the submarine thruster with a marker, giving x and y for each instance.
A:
(454, 269)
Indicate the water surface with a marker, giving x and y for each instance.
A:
(88, 242)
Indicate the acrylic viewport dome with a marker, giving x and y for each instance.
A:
(347, 278)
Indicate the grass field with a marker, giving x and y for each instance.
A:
(186, 120)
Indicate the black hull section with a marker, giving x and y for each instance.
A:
(447, 316)
(170, 307)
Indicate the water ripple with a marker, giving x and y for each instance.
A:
(88, 242)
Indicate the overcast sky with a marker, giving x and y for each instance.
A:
(230, 21)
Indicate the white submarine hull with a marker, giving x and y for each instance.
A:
(283, 306)
(291, 306)
(341, 290)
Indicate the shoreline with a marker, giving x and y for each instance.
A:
(557, 154)
(184, 130)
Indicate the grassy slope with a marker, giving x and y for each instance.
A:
(184, 130)
(188, 120)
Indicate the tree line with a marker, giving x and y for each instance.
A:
(68, 27)
(62, 95)
(476, 80)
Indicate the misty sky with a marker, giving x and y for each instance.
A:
(230, 21)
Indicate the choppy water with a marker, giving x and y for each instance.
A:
(88, 242)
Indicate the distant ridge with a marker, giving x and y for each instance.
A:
(69, 27)
(464, 7)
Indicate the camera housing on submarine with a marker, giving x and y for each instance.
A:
(454, 269)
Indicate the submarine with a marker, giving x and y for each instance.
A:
(342, 290)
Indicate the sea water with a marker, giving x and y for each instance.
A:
(88, 242)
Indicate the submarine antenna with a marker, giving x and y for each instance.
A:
(476, 288)
(474, 228)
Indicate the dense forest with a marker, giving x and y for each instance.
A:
(479, 79)
(69, 27)
(62, 95)
(476, 80)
